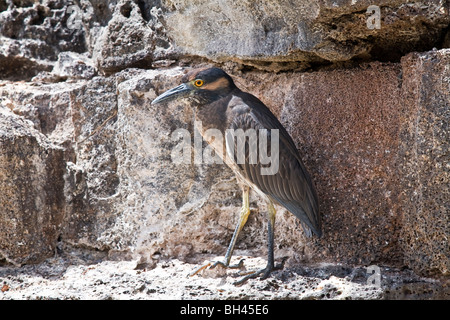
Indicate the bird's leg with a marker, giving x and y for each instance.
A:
(270, 259)
(243, 216)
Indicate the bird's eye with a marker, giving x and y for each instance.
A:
(198, 83)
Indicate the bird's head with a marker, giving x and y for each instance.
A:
(200, 86)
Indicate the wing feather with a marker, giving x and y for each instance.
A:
(291, 186)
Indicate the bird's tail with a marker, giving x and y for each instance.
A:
(309, 232)
(306, 229)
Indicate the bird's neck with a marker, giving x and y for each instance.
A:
(213, 115)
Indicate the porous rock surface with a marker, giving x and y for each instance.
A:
(70, 276)
(31, 191)
(86, 162)
(287, 34)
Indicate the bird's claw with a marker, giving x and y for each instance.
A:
(265, 272)
(224, 264)
(212, 265)
(193, 273)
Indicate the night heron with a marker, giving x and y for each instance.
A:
(218, 104)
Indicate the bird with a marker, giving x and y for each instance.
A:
(220, 105)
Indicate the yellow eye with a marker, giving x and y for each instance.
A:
(198, 83)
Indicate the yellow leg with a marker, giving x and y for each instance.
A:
(243, 216)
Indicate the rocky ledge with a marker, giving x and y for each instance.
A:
(85, 160)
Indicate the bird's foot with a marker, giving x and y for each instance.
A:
(223, 264)
(265, 272)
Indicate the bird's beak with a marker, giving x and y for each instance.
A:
(172, 94)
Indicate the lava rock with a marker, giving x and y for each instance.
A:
(31, 192)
